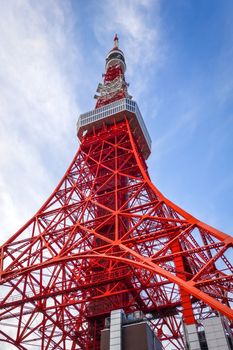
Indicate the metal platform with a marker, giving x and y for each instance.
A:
(115, 112)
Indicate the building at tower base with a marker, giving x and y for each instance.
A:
(130, 332)
(215, 334)
(210, 334)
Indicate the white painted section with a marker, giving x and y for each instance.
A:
(192, 337)
(115, 329)
(215, 334)
(112, 109)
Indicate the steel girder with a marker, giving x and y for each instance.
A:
(106, 239)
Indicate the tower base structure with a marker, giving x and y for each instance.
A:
(191, 337)
(215, 334)
(133, 332)
(128, 333)
(212, 334)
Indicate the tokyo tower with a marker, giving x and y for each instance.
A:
(108, 239)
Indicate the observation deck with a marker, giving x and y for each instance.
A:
(116, 112)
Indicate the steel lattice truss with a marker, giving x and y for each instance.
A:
(108, 239)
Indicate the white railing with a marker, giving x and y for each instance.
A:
(110, 109)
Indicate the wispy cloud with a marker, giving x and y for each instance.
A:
(38, 106)
(37, 103)
(138, 24)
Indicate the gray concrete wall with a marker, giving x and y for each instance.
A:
(215, 334)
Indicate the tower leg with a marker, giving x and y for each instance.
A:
(188, 316)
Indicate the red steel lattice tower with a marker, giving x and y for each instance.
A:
(107, 239)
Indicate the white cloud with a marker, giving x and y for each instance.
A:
(37, 104)
(138, 24)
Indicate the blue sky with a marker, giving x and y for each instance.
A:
(179, 57)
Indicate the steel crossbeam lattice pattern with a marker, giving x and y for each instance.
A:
(107, 239)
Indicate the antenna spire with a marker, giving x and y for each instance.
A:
(116, 41)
